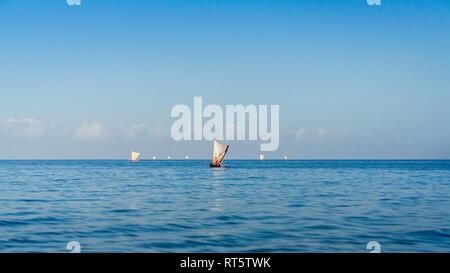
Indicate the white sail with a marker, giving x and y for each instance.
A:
(135, 156)
(261, 157)
(187, 158)
(285, 157)
(220, 150)
(154, 157)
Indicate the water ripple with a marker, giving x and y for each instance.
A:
(262, 206)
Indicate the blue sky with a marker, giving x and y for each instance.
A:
(100, 79)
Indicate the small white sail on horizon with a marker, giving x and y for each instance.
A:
(220, 150)
(187, 157)
(135, 156)
(261, 157)
(154, 157)
(285, 157)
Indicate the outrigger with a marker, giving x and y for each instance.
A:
(220, 150)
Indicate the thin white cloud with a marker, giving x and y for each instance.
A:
(300, 133)
(138, 130)
(90, 131)
(308, 134)
(320, 133)
(27, 128)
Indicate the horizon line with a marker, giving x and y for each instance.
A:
(207, 159)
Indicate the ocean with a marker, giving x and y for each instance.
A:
(253, 206)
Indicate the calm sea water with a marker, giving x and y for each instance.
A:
(254, 206)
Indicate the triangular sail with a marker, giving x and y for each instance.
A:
(220, 150)
(135, 156)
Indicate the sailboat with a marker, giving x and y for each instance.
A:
(134, 156)
(261, 157)
(220, 150)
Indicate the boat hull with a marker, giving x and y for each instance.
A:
(218, 166)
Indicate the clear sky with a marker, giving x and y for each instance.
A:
(99, 79)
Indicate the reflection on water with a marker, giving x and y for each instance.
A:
(217, 205)
(218, 177)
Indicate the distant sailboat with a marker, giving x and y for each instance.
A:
(187, 158)
(261, 157)
(154, 157)
(168, 158)
(220, 151)
(134, 156)
(285, 157)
